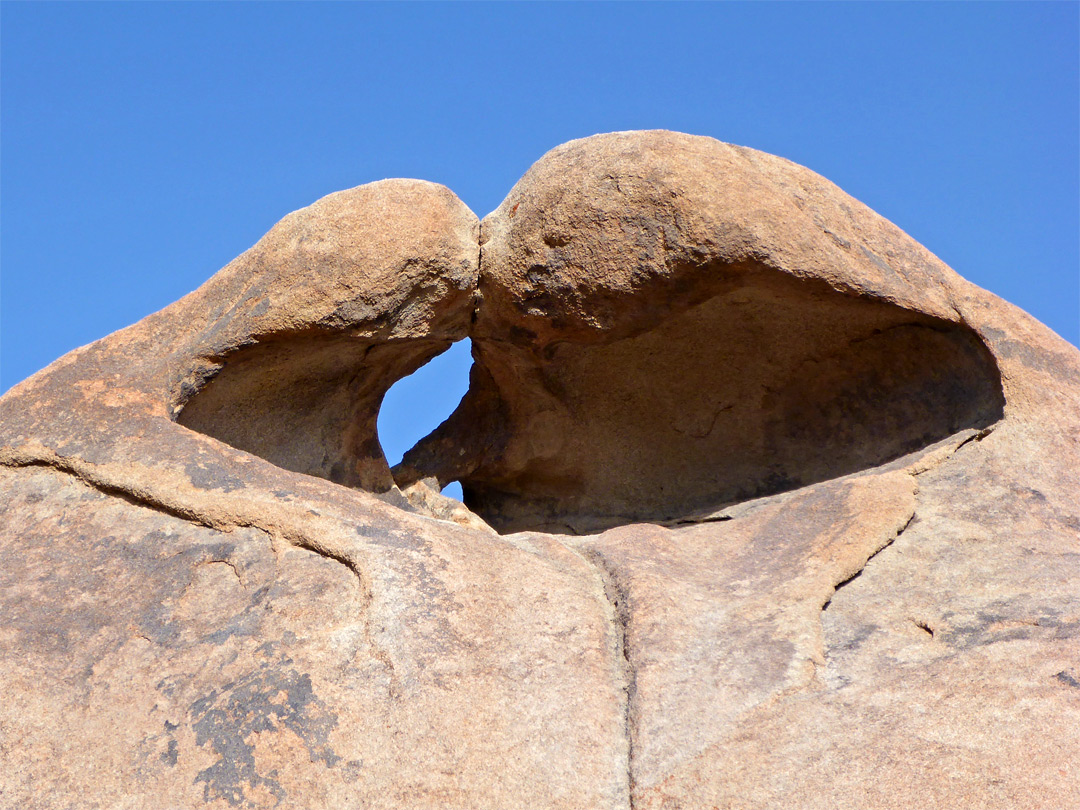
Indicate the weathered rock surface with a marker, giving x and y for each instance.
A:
(733, 283)
(788, 515)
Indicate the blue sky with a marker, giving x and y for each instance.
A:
(144, 145)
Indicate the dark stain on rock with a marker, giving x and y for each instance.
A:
(158, 622)
(271, 700)
(1068, 679)
(1001, 623)
(352, 770)
(841, 241)
(261, 308)
(171, 754)
(170, 687)
(1056, 364)
(853, 639)
(880, 263)
(212, 478)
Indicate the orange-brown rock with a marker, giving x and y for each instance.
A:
(786, 511)
(669, 324)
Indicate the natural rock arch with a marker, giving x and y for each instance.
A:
(644, 350)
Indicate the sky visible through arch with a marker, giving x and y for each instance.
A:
(145, 145)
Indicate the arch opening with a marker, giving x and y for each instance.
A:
(772, 384)
(309, 402)
(417, 404)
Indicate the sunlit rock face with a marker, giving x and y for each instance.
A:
(764, 507)
(668, 325)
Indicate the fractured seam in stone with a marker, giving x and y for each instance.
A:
(615, 595)
(367, 597)
(914, 473)
(83, 473)
(477, 297)
(977, 437)
(229, 563)
(92, 476)
(617, 599)
(889, 542)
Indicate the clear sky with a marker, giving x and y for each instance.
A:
(144, 145)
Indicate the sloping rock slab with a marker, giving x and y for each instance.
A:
(767, 507)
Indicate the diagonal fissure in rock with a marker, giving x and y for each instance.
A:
(930, 462)
(221, 517)
(848, 580)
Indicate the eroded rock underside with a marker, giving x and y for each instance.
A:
(767, 507)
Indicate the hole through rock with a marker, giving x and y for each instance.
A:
(416, 405)
(770, 384)
(767, 384)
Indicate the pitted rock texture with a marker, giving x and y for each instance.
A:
(767, 507)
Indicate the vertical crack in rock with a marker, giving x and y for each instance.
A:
(478, 297)
(617, 599)
(821, 660)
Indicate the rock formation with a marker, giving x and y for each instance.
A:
(767, 507)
